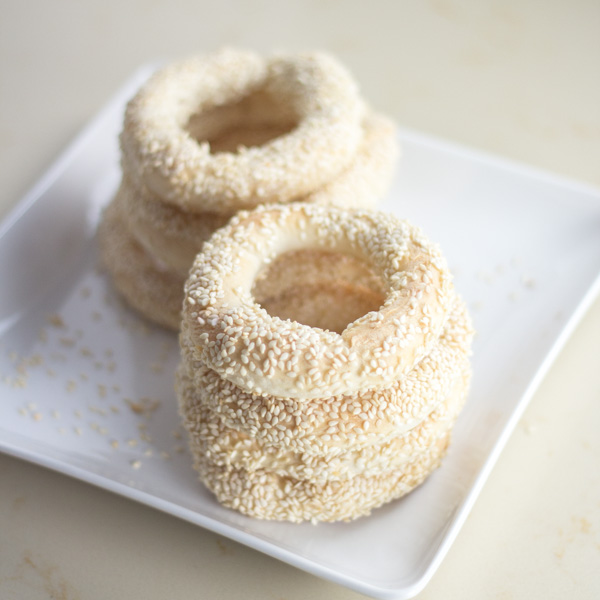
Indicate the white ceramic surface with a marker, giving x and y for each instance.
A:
(87, 385)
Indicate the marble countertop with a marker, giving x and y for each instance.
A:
(516, 78)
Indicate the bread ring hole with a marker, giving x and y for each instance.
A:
(252, 120)
(319, 288)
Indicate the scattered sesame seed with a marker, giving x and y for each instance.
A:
(56, 321)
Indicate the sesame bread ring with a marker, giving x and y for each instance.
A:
(164, 230)
(228, 447)
(228, 331)
(327, 424)
(149, 287)
(176, 236)
(366, 180)
(263, 494)
(309, 100)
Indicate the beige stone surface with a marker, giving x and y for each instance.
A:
(515, 78)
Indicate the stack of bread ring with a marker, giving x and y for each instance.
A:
(325, 358)
(325, 352)
(208, 136)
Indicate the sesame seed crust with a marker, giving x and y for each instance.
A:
(149, 287)
(367, 177)
(228, 331)
(164, 230)
(176, 235)
(319, 426)
(314, 88)
(228, 447)
(263, 494)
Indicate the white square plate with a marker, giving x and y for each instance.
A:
(87, 385)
